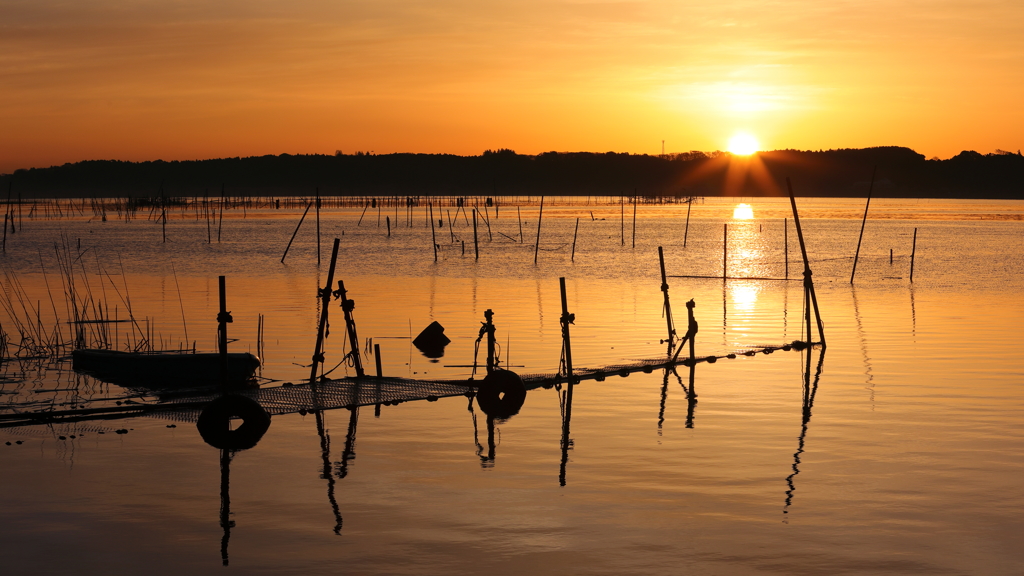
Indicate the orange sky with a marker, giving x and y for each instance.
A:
(147, 79)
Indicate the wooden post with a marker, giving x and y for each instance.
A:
(808, 283)
(325, 305)
(785, 243)
(890, 256)
(360, 222)
(220, 222)
(389, 224)
(489, 327)
(913, 250)
(540, 216)
(634, 220)
(686, 231)
(287, 248)
(223, 318)
(668, 304)
(566, 320)
(856, 255)
(622, 219)
(206, 205)
(451, 230)
(487, 222)
(350, 324)
(317, 226)
(725, 250)
(520, 216)
(376, 356)
(575, 232)
(433, 233)
(476, 243)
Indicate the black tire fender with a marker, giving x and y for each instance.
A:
(215, 428)
(501, 394)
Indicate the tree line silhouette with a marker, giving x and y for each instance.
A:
(901, 172)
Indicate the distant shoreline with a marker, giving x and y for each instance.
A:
(899, 173)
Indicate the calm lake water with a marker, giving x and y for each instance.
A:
(909, 460)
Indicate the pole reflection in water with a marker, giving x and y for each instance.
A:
(664, 396)
(486, 461)
(326, 473)
(225, 502)
(868, 375)
(691, 395)
(810, 389)
(350, 442)
(214, 426)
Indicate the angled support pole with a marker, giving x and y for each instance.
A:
(668, 305)
(808, 283)
(325, 298)
(350, 324)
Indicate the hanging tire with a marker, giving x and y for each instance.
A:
(215, 422)
(501, 394)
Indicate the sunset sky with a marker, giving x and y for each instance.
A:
(148, 79)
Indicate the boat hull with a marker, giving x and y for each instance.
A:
(164, 369)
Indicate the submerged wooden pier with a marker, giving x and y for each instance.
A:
(335, 394)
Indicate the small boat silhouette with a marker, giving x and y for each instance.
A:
(164, 369)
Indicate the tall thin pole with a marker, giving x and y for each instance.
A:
(856, 255)
(318, 226)
(350, 324)
(520, 216)
(565, 321)
(377, 360)
(913, 250)
(206, 205)
(808, 283)
(325, 305)
(433, 233)
(622, 219)
(725, 250)
(572, 257)
(476, 242)
(287, 248)
(634, 221)
(540, 216)
(668, 304)
(223, 318)
(220, 222)
(785, 243)
(686, 231)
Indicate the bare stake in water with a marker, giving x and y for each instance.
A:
(540, 216)
(913, 251)
(575, 232)
(856, 255)
(296, 232)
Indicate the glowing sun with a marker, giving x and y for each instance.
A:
(743, 144)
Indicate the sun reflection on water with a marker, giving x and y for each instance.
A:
(744, 296)
(743, 212)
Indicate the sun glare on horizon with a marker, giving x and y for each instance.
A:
(743, 144)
